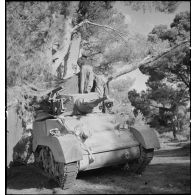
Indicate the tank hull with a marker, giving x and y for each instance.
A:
(64, 145)
(107, 144)
(109, 158)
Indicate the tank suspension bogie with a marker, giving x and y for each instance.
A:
(64, 174)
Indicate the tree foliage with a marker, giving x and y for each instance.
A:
(31, 29)
(162, 107)
(176, 66)
(120, 88)
(169, 78)
(161, 6)
(102, 41)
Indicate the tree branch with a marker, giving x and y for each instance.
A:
(182, 77)
(59, 55)
(108, 27)
(99, 25)
(96, 53)
(79, 25)
(149, 59)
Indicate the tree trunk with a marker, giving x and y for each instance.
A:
(66, 45)
(174, 132)
(59, 55)
(174, 128)
(72, 56)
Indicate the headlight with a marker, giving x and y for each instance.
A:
(109, 104)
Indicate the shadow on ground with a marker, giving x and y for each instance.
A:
(184, 150)
(23, 177)
(158, 178)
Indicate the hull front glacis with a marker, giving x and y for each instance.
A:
(102, 140)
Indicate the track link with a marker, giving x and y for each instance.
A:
(139, 165)
(64, 174)
(68, 175)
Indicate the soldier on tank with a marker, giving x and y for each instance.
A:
(86, 75)
(90, 82)
(99, 85)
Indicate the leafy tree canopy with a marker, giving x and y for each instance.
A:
(175, 66)
(169, 82)
(161, 6)
(32, 28)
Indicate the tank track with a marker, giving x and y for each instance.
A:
(139, 165)
(64, 174)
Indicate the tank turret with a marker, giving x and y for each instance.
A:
(86, 105)
(75, 104)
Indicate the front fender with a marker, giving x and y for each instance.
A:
(146, 137)
(65, 148)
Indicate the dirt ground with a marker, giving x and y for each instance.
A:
(169, 172)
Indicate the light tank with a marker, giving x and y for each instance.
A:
(77, 133)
